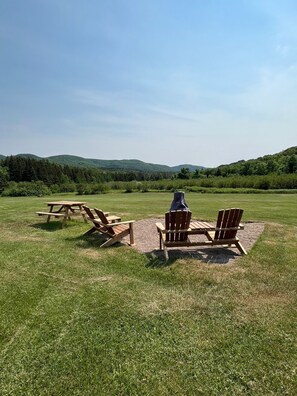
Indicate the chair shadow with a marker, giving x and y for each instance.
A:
(92, 241)
(219, 256)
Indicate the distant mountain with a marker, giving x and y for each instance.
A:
(30, 156)
(131, 164)
(2, 157)
(192, 168)
(268, 163)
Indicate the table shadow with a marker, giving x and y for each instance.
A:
(50, 227)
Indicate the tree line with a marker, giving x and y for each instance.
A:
(23, 169)
(21, 176)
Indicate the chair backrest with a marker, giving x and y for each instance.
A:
(104, 220)
(228, 218)
(177, 220)
(88, 212)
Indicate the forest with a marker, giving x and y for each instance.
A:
(21, 176)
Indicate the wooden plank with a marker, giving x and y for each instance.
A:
(50, 214)
(219, 223)
(179, 226)
(200, 225)
(170, 224)
(113, 218)
(175, 221)
(232, 222)
(66, 203)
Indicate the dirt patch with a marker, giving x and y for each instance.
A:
(147, 242)
(262, 306)
(166, 301)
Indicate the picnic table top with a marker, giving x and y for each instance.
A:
(66, 203)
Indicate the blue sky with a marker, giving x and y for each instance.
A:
(163, 81)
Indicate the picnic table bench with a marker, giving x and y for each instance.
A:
(64, 210)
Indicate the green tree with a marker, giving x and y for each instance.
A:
(184, 173)
(260, 168)
(291, 166)
(4, 177)
(271, 166)
(197, 174)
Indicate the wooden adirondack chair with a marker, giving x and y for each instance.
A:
(91, 217)
(176, 230)
(228, 223)
(115, 231)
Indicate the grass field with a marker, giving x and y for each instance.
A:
(77, 320)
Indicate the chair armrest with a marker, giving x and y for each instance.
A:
(99, 222)
(118, 223)
(240, 227)
(176, 231)
(160, 227)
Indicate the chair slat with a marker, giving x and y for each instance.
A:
(177, 220)
(104, 220)
(219, 224)
(228, 218)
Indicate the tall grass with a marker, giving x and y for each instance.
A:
(266, 182)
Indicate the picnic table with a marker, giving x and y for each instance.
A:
(64, 210)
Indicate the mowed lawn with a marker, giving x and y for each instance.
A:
(79, 320)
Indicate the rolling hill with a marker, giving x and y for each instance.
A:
(275, 162)
(130, 164)
(283, 162)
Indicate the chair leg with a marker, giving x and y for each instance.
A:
(165, 253)
(110, 241)
(115, 238)
(160, 240)
(91, 231)
(240, 247)
(131, 234)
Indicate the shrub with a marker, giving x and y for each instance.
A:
(92, 188)
(55, 188)
(98, 188)
(67, 187)
(26, 189)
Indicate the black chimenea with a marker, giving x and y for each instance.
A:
(178, 202)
